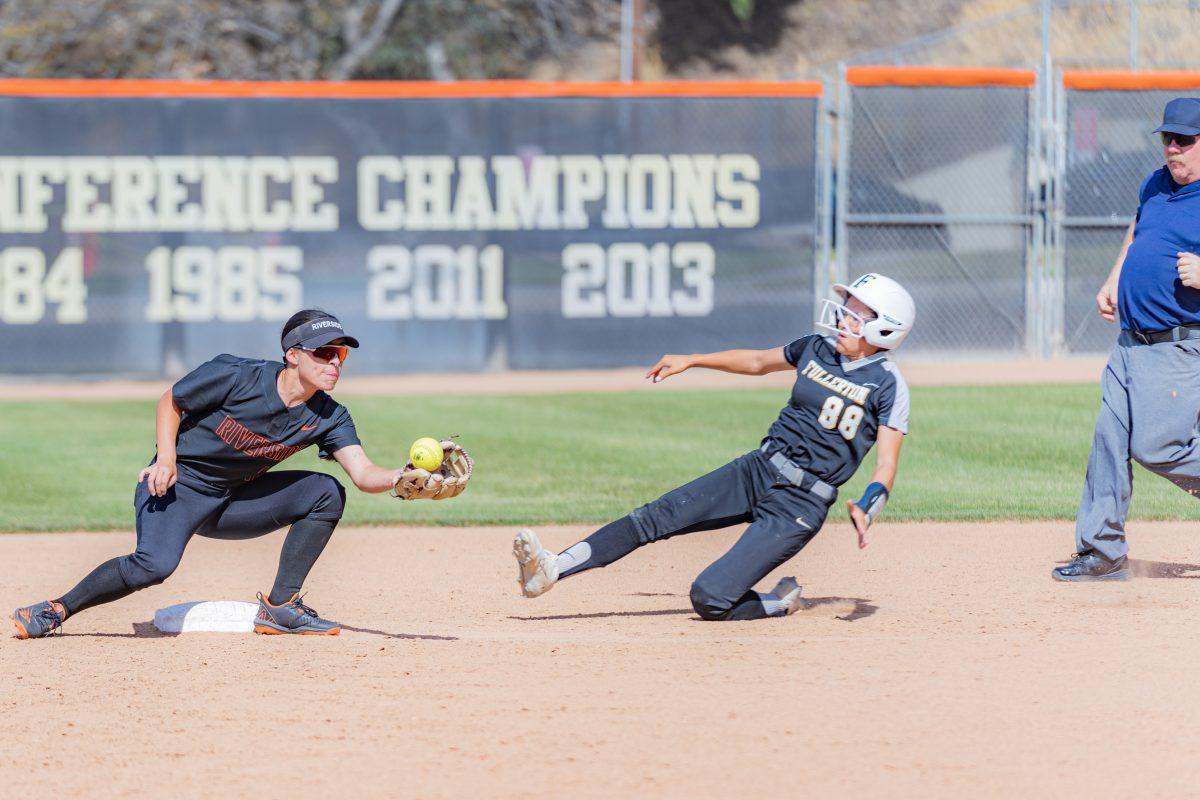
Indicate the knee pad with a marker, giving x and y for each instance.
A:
(709, 605)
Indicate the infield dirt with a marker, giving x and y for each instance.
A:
(942, 661)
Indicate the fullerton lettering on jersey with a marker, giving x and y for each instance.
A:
(239, 437)
(852, 391)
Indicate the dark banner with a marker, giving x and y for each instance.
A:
(144, 235)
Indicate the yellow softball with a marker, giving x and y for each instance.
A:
(426, 453)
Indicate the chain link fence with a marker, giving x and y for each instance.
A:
(1002, 212)
(1106, 151)
(934, 189)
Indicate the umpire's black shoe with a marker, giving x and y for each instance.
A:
(1091, 566)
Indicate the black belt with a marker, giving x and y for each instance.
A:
(1177, 334)
(798, 476)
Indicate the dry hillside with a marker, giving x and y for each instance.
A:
(567, 39)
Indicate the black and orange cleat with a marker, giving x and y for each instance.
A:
(292, 617)
(38, 620)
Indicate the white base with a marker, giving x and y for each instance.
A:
(216, 616)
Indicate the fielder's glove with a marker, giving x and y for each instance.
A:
(448, 480)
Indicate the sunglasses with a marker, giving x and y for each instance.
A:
(1181, 139)
(326, 353)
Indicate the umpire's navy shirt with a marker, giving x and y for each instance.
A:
(235, 426)
(833, 416)
(1150, 296)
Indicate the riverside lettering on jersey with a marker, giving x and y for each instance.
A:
(239, 437)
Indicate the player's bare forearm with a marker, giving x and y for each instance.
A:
(161, 475)
(377, 479)
(887, 456)
(366, 475)
(166, 426)
(739, 362)
(885, 474)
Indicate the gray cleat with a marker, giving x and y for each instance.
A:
(788, 592)
(41, 619)
(292, 617)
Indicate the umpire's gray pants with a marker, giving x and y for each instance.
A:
(1149, 412)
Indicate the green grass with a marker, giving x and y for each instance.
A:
(973, 454)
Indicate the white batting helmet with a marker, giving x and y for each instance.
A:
(894, 309)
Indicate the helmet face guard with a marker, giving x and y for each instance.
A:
(834, 313)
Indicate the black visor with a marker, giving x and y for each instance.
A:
(315, 333)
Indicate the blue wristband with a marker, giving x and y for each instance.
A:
(873, 500)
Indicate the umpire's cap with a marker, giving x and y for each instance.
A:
(1182, 115)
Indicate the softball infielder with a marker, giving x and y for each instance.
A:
(220, 428)
(847, 396)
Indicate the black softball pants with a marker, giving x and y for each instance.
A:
(310, 502)
(783, 518)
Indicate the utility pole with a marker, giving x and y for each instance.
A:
(632, 39)
(1133, 35)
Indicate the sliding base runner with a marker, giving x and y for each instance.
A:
(847, 397)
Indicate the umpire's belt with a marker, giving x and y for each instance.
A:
(1170, 335)
(799, 477)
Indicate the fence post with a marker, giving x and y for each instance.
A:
(1133, 35)
(1055, 215)
(1036, 197)
(842, 178)
(822, 267)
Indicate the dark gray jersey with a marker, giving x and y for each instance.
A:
(830, 423)
(235, 426)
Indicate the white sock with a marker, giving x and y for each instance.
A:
(774, 606)
(574, 556)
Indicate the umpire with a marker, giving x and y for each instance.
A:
(1151, 387)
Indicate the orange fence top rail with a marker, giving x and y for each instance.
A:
(1099, 81)
(938, 76)
(23, 87)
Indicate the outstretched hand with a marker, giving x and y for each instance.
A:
(859, 518)
(668, 366)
